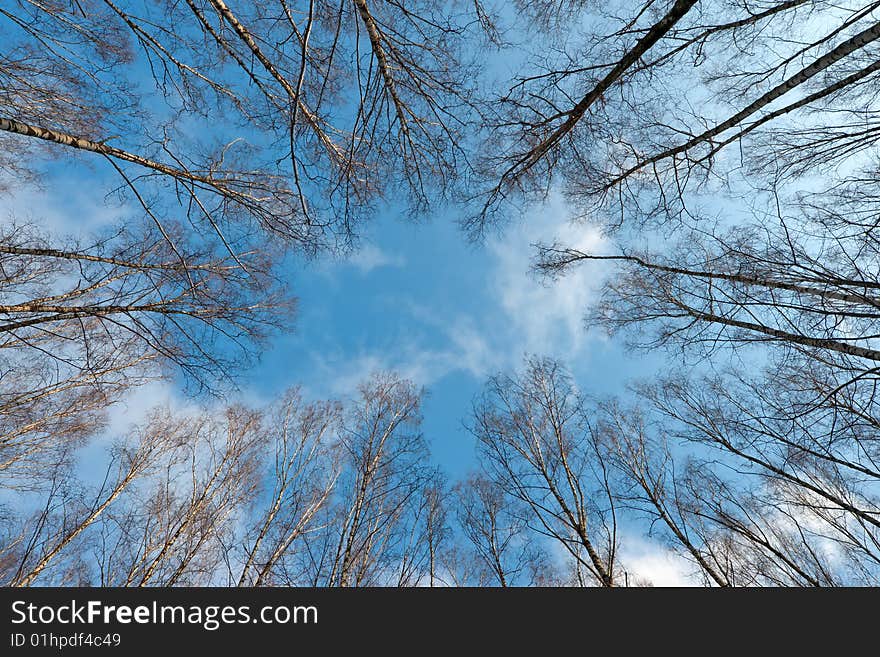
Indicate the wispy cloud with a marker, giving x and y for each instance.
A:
(339, 374)
(68, 209)
(655, 564)
(370, 257)
(518, 313)
(543, 316)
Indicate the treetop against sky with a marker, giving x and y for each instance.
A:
(612, 264)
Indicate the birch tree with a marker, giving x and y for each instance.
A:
(643, 109)
(374, 531)
(537, 447)
(749, 481)
(299, 486)
(325, 104)
(505, 551)
(69, 512)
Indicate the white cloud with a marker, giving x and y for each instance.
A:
(523, 315)
(370, 257)
(135, 407)
(67, 210)
(471, 350)
(544, 317)
(122, 418)
(656, 564)
(338, 375)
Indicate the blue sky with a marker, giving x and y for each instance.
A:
(416, 298)
(420, 300)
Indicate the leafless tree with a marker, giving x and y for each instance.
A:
(304, 474)
(326, 103)
(537, 446)
(505, 551)
(82, 324)
(132, 286)
(635, 117)
(731, 163)
(69, 512)
(296, 492)
(786, 267)
(728, 150)
(753, 479)
(751, 491)
(172, 529)
(380, 504)
(204, 499)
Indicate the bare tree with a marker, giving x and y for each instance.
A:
(756, 480)
(296, 492)
(634, 118)
(326, 102)
(82, 324)
(738, 192)
(505, 552)
(800, 280)
(68, 513)
(133, 286)
(537, 123)
(793, 269)
(379, 505)
(727, 149)
(304, 474)
(774, 491)
(177, 531)
(538, 447)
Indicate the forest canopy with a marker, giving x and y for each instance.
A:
(724, 152)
